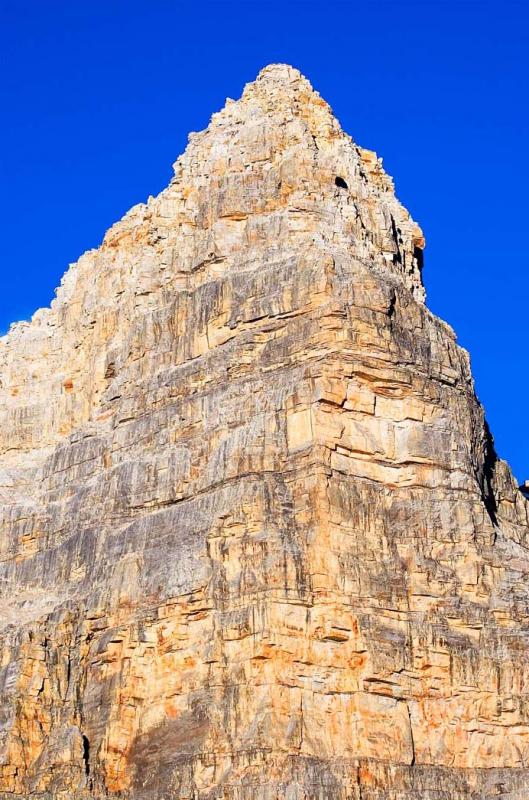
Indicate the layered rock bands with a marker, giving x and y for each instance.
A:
(256, 542)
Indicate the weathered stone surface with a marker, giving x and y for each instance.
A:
(256, 542)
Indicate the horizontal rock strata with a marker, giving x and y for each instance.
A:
(256, 542)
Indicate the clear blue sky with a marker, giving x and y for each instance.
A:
(98, 97)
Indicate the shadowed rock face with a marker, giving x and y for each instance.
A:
(256, 542)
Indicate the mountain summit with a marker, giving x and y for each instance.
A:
(256, 541)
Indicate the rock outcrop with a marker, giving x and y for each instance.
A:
(256, 542)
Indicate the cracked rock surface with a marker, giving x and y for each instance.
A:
(256, 542)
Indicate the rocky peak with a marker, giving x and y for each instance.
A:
(273, 173)
(256, 542)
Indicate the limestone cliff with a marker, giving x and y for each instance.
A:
(256, 542)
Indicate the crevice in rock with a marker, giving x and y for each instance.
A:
(86, 755)
(397, 258)
(391, 307)
(486, 465)
(489, 465)
(412, 763)
(340, 182)
(419, 258)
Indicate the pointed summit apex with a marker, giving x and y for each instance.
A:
(280, 73)
(283, 80)
(279, 153)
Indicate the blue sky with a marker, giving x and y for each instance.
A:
(98, 97)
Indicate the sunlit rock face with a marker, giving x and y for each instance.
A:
(256, 542)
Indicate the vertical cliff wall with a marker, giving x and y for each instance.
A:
(256, 542)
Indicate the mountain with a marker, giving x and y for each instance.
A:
(256, 541)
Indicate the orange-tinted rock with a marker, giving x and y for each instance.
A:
(256, 541)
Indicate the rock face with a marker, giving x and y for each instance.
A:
(256, 542)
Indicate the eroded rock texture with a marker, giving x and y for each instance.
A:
(256, 542)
